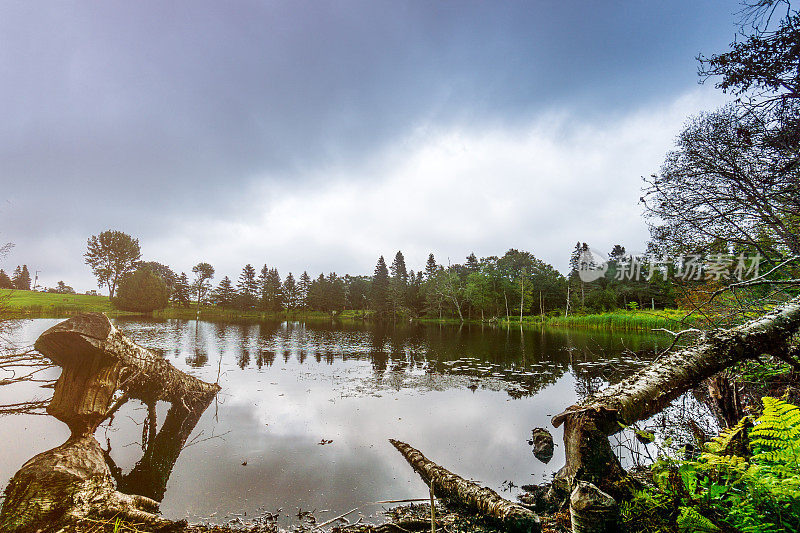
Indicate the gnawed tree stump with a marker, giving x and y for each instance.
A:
(592, 510)
(74, 481)
(509, 515)
(587, 425)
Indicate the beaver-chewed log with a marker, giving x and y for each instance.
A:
(509, 515)
(587, 425)
(73, 481)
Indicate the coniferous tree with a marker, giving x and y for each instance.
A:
(398, 283)
(248, 287)
(271, 294)
(5, 281)
(431, 267)
(379, 290)
(337, 296)
(22, 278)
(182, 289)
(302, 290)
(472, 264)
(290, 292)
(224, 295)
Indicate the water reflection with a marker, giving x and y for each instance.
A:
(468, 397)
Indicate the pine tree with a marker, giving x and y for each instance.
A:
(5, 281)
(270, 285)
(181, 293)
(398, 283)
(431, 267)
(22, 278)
(224, 295)
(248, 287)
(379, 292)
(472, 264)
(337, 296)
(302, 290)
(290, 292)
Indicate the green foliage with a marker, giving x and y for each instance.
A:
(111, 255)
(725, 489)
(141, 292)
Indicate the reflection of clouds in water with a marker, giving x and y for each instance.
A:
(450, 392)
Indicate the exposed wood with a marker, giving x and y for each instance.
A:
(509, 515)
(588, 454)
(74, 480)
(592, 510)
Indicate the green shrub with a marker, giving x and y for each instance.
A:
(141, 292)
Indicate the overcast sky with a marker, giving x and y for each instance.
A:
(319, 135)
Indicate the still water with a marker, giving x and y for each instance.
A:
(305, 413)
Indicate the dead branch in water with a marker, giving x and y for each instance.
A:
(512, 516)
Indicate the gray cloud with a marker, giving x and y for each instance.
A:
(142, 115)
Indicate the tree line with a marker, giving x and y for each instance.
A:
(512, 285)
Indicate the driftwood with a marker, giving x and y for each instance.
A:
(587, 425)
(74, 481)
(509, 515)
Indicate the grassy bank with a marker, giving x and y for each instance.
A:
(51, 305)
(32, 304)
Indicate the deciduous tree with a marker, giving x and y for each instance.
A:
(111, 255)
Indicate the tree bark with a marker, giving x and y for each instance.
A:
(74, 481)
(509, 515)
(588, 454)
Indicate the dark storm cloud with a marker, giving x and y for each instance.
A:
(131, 114)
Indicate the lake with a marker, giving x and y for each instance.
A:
(306, 410)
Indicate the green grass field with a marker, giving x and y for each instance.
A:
(40, 304)
(44, 303)
(51, 305)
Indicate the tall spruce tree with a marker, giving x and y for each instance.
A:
(379, 291)
(224, 295)
(5, 281)
(302, 290)
(289, 292)
(22, 278)
(398, 283)
(248, 287)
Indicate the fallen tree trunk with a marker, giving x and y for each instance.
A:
(511, 516)
(73, 481)
(587, 425)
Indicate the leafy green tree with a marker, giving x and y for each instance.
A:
(162, 271)
(203, 274)
(224, 295)
(357, 290)
(63, 288)
(478, 292)
(111, 255)
(379, 291)
(141, 291)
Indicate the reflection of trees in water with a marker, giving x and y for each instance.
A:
(527, 359)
